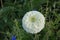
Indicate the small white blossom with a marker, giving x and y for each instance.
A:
(33, 22)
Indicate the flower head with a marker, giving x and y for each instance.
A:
(33, 22)
(13, 37)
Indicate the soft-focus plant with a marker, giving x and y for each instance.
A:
(14, 10)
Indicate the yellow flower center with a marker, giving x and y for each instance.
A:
(33, 19)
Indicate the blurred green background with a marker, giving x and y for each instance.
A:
(12, 12)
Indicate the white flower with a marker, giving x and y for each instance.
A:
(33, 22)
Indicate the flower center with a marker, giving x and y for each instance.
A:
(32, 19)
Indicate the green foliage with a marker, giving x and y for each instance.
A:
(12, 12)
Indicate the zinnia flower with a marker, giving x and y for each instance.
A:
(33, 22)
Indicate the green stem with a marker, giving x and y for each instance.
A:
(2, 32)
(31, 1)
(1, 3)
(15, 2)
(5, 33)
(47, 8)
(36, 37)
